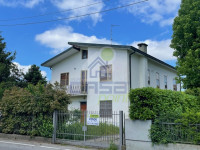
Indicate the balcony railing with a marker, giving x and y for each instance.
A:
(76, 89)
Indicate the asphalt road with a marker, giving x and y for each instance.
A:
(24, 145)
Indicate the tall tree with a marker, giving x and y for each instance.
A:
(7, 68)
(186, 42)
(34, 76)
(6, 64)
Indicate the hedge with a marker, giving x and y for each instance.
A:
(28, 111)
(165, 106)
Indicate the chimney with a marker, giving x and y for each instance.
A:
(142, 47)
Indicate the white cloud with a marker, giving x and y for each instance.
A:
(161, 11)
(158, 49)
(71, 4)
(24, 3)
(58, 38)
(24, 69)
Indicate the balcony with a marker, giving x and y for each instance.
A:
(76, 89)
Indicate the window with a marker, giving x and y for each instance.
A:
(106, 73)
(149, 77)
(64, 79)
(84, 81)
(165, 81)
(157, 80)
(106, 108)
(174, 85)
(84, 54)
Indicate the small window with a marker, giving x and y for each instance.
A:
(149, 82)
(64, 79)
(174, 85)
(157, 80)
(84, 54)
(106, 108)
(165, 81)
(106, 73)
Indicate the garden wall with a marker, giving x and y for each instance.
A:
(137, 138)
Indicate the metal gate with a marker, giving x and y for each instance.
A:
(89, 128)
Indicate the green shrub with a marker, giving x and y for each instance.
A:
(76, 128)
(150, 103)
(28, 111)
(166, 106)
(113, 147)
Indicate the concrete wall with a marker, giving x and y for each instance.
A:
(137, 138)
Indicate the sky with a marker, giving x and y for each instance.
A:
(149, 22)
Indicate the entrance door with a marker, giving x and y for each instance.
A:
(83, 109)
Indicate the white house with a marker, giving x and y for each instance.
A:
(99, 76)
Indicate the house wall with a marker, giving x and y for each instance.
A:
(73, 64)
(99, 91)
(162, 70)
(105, 89)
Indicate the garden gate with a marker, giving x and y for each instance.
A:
(89, 128)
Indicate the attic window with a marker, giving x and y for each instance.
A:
(84, 54)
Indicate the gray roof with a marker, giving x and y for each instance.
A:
(76, 46)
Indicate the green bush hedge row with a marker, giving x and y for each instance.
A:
(167, 106)
(29, 111)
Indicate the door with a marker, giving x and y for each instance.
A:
(83, 109)
(84, 81)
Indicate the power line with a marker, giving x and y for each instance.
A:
(79, 16)
(51, 13)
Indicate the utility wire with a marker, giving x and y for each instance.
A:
(51, 13)
(79, 16)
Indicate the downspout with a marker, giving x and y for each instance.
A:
(130, 67)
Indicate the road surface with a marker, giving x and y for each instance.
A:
(25, 145)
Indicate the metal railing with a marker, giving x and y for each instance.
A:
(74, 126)
(180, 133)
(76, 89)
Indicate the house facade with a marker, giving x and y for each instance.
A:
(99, 76)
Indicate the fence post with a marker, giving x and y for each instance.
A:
(120, 129)
(85, 117)
(54, 126)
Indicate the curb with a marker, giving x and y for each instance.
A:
(25, 137)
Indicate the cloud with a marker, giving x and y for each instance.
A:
(24, 3)
(24, 69)
(71, 4)
(161, 11)
(158, 49)
(58, 38)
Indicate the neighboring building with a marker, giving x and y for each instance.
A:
(99, 76)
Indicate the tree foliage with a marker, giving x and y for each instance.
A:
(186, 42)
(6, 64)
(34, 76)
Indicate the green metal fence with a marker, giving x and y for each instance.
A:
(75, 127)
(181, 133)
